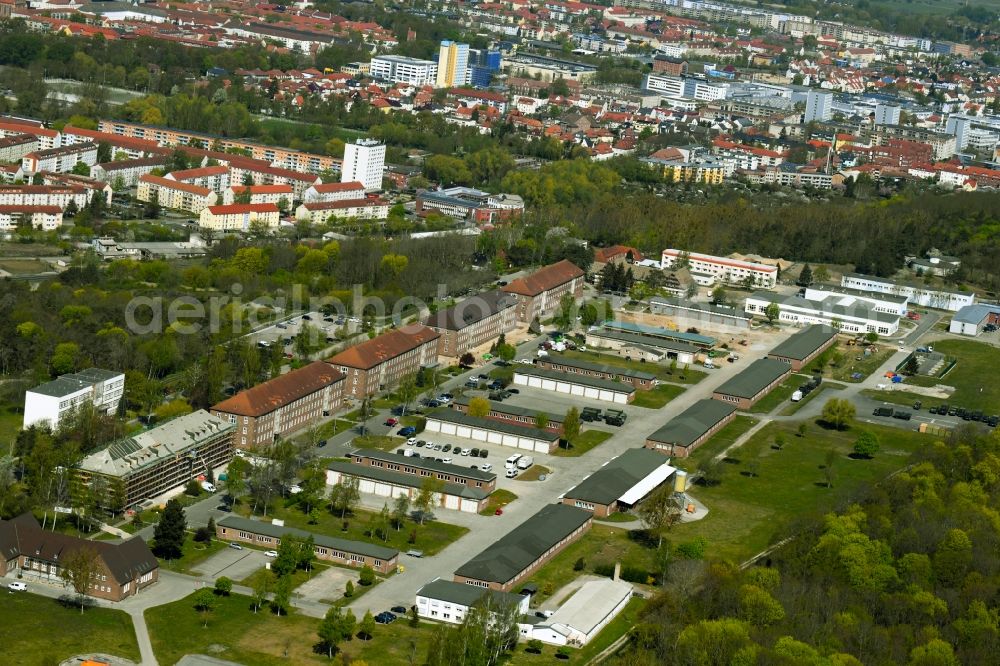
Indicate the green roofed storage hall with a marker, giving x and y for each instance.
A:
(804, 346)
(756, 381)
(688, 430)
(621, 483)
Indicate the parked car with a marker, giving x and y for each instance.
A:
(407, 431)
(270, 553)
(235, 546)
(446, 460)
(465, 452)
(17, 586)
(385, 617)
(917, 405)
(474, 453)
(398, 610)
(483, 453)
(411, 441)
(392, 421)
(446, 449)
(486, 467)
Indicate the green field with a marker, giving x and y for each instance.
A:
(587, 440)
(431, 537)
(796, 406)
(24, 266)
(901, 398)
(39, 630)
(662, 372)
(498, 499)
(234, 632)
(192, 555)
(747, 513)
(657, 397)
(779, 395)
(717, 443)
(972, 375)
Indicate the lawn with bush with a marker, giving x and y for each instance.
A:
(587, 440)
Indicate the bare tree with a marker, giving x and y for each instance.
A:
(80, 568)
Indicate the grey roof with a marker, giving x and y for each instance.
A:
(278, 531)
(472, 310)
(404, 479)
(860, 293)
(909, 284)
(164, 442)
(657, 331)
(74, 381)
(832, 305)
(649, 341)
(803, 343)
(425, 463)
(975, 314)
(571, 378)
(454, 416)
(617, 476)
(569, 362)
(710, 308)
(518, 549)
(464, 594)
(685, 428)
(513, 410)
(754, 378)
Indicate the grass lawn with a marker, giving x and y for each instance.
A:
(532, 473)
(663, 372)
(612, 632)
(974, 388)
(793, 407)
(747, 513)
(431, 537)
(39, 630)
(24, 266)
(780, 395)
(901, 398)
(717, 443)
(848, 363)
(234, 633)
(587, 440)
(300, 576)
(497, 500)
(619, 517)
(193, 555)
(657, 397)
(603, 544)
(396, 644)
(383, 442)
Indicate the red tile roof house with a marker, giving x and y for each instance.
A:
(378, 364)
(538, 294)
(122, 569)
(285, 404)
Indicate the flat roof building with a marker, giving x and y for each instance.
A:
(49, 403)
(574, 384)
(917, 293)
(621, 483)
(583, 615)
(691, 428)
(803, 346)
(753, 383)
(849, 314)
(972, 319)
(522, 551)
(514, 415)
(573, 366)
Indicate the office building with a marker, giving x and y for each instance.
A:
(453, 64)
(364, 162)
(539, 293)
(819, 106)
(401, 69)
(378, 364)
(50, 402)
(844, 312)
(918, 294)
(474, 322)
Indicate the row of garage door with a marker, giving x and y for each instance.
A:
(617, 397)
(491, 436)
(383, 489)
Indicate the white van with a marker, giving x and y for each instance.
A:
(208, 486)
(525, 462)
(17, 586)
(512, 461)
(511, 472)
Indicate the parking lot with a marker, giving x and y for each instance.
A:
(233, 564)
(284, 332)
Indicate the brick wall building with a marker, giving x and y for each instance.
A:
(538, 294)
(473, 322)
(378, 364)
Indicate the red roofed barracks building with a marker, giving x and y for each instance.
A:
(284, 404)
(378, 364)
(538, 294)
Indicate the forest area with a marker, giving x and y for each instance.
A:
(908, 573)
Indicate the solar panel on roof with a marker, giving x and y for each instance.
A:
(119, 450)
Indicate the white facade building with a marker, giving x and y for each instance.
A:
(887, 303)
(239, 217)
(845, 313)
(48, 403)
(582, 617)
(449, 601)
(730, 271)
(46, 218)
(819, 106)
(917, 295)
(886, 114)
(364, 162)
(401, 69)
(61, 159)
(334, 192)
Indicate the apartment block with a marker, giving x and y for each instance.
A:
(378, 364)
(258, 194)
(320, 212)
(364, 162)
(47, 138)
(61, 159)
(241, 172)
(334, 192)
(474, 322)
(401, 69)
(239, 217)
(46, 218)
(721, 269)
(15, 147)
(215, 178)
(128, 171)
(174, 194)
(43, 195)
(538, 294)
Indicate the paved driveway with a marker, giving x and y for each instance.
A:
(234, 564)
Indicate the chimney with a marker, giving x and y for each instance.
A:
(618, 571)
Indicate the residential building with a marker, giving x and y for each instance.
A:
(581, 617)
(886, 114)
(691, 428)
(342, 552)
(345, 191)
(93, 186)
(473, 322)
(259, 194)
(46, 218)
(539, 293)
(643, 381)
(845, 313)
(453, 64)
(686, 88)
(722, 269)
(401, 69)
(973, 319)
(44, 195)
(364, 162)
(239, 217)
(574, 384)
(215, 178)
(621, 483)
(321, 212)
(33, 554)
(162, 458)
(175, 195)
(256, 173)
(752, 383)
(670, 66)
(47, 138)
(819, 106)
(283, 405)
(803, 346)
(522, 551)
(705, 171)
(61, 159)
(128, 171)
(16, 146)
(491, 431)
(378, 364)
(49, 403)
(918, 294)
(465, 203)
(448, 601)
(121, 146)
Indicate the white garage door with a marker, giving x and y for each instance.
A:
(463, 431)
(433, 426)
(448, 428)
(367, 486)
(452, 502)
(590, 392)
(478, 434)
(536, 382)
(495, 438)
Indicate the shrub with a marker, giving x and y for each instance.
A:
(579, 565)
(349, 590)
(367, 576)
(223, 586)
